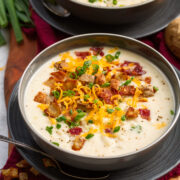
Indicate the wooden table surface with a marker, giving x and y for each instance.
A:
(19, 57)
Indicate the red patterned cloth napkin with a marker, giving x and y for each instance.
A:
(46, 36)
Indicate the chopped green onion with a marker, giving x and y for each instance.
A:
(172, 112)
(90, 121)
(116, 129)
(123, 118)
(117, 108)
(106, 84)
(55, 143)
(110, 111)
(86, 96)
(49, 129)
(58, 126)
(118, 52)
(56, 94)
(127, 82)
(109, 58)
(68, 93)
(91, 85)
(89, 136)
(79, 110)
(94, 58)
(92, 1)
(80, 70)
(95, 68)
(138, 128)
(155, 88)
(114, 2)
(73, 75)
(87, 64)
(79, 116)
(71, 111)
(61, 118)
(95, 101)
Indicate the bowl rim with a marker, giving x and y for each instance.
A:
(160, 138)
(112, 8)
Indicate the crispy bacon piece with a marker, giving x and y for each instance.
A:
(87, 78)
(75, 131)
(134, 70)
(97, 51)
(114, 84)
(131, 113)
(147, 91)
(69, 84)
(59, 76)
(145, 114)
(78, 143)
(11, 172)
(148, 80)
(106, 94)
(41, 98)
(53, 110)
(83, 54)
(60, 65)
(127, 91)
(100, 79)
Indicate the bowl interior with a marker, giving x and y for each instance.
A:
(103, 40)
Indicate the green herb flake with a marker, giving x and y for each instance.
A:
(94, 58)
(92, 1)
(123, 118)
(56, 94)
(127, 82)
(79, 110)
(95, 101)
(73, 75)
(95, 68)
(105, 84)
(90, 121)
(86, 96)
(137, 128)
(71, 111)
(80, 70)
(116, 129)
(117, 54)
(110, 111)
(61, 118)
(55, 143)
(69, 93)
(118, 108)
(109, 58)
(49, 129)
(155, 88)
(79, 116)
(87, 64)
(89, 136)
(91, 85)
(58, 126)
(171, 112)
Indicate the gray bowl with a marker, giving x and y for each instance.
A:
(89, 162)
(113, 15)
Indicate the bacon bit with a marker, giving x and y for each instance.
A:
(83, 54)
(106, 94)
(48, 162)
(148, 80)
(22, 164)
(11, 172)
(135, 70)
(78, 143)
(69, 84)
(75, 131)
(147, 91)
(53, 110)
(131, 113)
(114, 84)
(59, 76)
(87, 78)
(145, 114)
(41, 98)
(97, 51)
(127, 91)
(107, 130)
(100, 79)
(23, 176)
(60, 65)
(143, 100)
(50, 82)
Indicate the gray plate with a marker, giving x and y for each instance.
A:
(74, 26)
(162, 162)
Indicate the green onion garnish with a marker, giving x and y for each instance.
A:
(116, 129)
(58, 126)
(68, 93)
(106, 84)
(110, 111)
(49, 129)
(172, 112)
(109, 58)
(90, 121)
(56, 94)
(55, 143)
(89, 136)
(127, 82)
(61, 118)
(123, 118)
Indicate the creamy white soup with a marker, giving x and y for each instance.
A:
(99, 101)
(112, 3)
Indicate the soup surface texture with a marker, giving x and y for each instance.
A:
(112, 3)
(99, 101)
